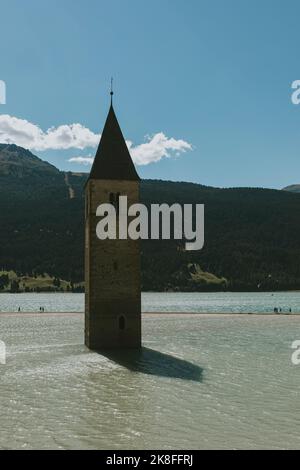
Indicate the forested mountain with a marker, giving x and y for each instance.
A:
(251, 235)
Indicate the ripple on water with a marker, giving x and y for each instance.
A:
(200, 382)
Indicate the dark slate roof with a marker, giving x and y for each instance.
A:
(112, 160)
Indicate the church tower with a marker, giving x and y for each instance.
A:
(112, 267)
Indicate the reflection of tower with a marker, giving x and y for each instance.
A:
(112, 267)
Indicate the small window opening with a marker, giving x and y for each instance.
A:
(122, 322)
(114, 200)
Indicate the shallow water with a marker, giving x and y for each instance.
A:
(213, 302)
(200, 382)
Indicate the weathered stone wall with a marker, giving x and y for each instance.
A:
(112, 275)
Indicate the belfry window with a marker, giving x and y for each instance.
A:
(114, 200)
(122, 322)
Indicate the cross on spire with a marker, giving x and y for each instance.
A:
(111, 91)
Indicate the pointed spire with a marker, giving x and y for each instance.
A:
(113, 160)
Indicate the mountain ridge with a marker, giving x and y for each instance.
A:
(251, 234)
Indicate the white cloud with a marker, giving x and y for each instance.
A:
(83, 160)
(157, 147)
(31, 136)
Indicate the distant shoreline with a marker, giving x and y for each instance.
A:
(155, 314)
(164, 292)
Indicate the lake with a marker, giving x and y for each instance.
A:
(213, 302)
(200, 382)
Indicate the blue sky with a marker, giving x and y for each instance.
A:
(202, 88)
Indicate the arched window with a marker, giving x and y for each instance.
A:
(122, 322)
(114, 200)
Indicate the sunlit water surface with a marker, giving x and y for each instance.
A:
(201, 382)
(213, 302)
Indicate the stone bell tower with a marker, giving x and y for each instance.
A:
(112, 267)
